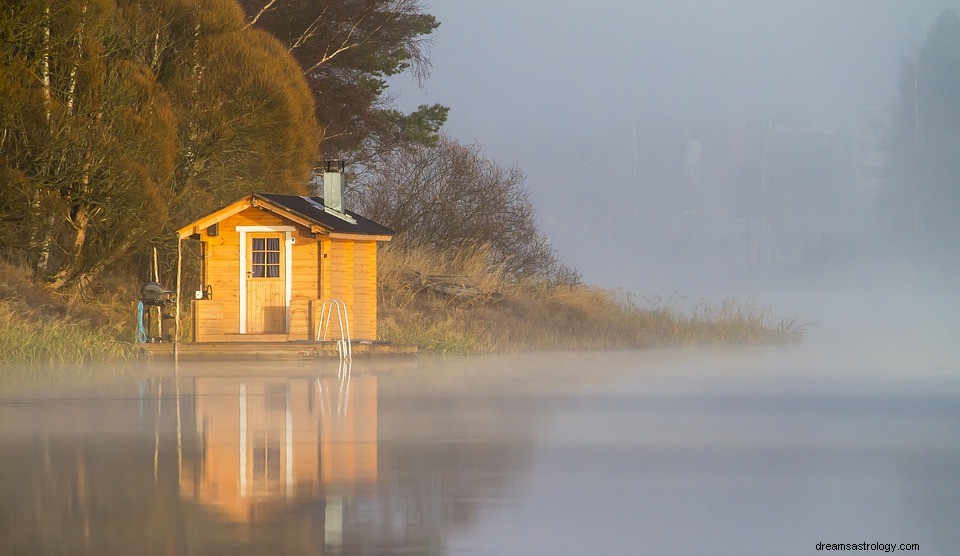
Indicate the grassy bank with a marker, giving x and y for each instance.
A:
(457, 303)
(445, 303)
(40, 326)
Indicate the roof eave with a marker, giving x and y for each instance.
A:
(314, 226)
(359, 237)
(198, 226)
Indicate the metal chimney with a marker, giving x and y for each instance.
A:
(333, 185)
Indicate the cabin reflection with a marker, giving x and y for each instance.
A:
(266, 443)
(366, 465)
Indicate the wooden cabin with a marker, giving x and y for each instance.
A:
(268, 262)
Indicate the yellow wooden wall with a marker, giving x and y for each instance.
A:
(325, 269)
(222, 269)
(337, 281)
(305, 285)
(349, 274)
(365, 289)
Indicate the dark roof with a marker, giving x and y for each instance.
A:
(311, 209)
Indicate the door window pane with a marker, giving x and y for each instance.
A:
(265, 257)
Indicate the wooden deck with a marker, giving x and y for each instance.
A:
(273, 351)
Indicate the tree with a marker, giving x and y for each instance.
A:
(347, 49)
(246, 116)
(88, 140)
(449, 195)
(120, 121)
(923, 193)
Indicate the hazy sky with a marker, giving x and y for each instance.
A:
(533, 81)
(553, 64)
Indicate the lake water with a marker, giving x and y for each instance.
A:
(688, 451)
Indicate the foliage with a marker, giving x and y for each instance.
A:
(922, 197)
(87, 138)
(121, 120)
(347, 49)
(246, 117)
(449, 196)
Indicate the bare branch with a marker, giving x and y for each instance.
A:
(310, 31)
(267, 7)
(346, 44)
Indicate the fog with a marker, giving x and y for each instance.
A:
(687, 151)
(692, 149)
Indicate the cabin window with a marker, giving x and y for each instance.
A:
(266, 257)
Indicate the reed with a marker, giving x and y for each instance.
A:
(29, 336)
(41, 326)
(505, 314)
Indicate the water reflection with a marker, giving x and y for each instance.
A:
(240, 465)
(688, 452)
(262, 443)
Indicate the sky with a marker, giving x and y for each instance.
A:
(564, 90)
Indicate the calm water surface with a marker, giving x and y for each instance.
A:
(707, 451)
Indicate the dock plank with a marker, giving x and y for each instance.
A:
(274, 351)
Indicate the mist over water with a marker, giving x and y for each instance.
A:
(694, 152)
(680, 451)
(703, 150)
(683, 151)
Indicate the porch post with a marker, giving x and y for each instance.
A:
(176, 331)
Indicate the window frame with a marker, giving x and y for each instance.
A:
(269, 269)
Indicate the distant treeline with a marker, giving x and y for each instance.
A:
(921, 200)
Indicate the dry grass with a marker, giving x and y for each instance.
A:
(492, 312)
(496, 313)
(41, 326)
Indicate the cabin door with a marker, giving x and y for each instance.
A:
(266, 283)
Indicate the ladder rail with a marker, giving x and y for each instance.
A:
(344, 344)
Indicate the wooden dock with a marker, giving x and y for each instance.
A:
(272, 351)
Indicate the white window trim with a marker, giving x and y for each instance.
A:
(288, 269)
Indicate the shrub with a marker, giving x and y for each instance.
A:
(448, 197)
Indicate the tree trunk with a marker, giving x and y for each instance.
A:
(45, 60)
(39, 239)
(80, 219)
(72, 85)
(83, 276)
(74, 263)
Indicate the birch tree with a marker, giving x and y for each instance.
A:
(119, 121)
(89, 140)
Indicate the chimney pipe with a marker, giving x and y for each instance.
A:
(333, 185)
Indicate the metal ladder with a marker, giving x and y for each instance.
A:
(344, 346)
